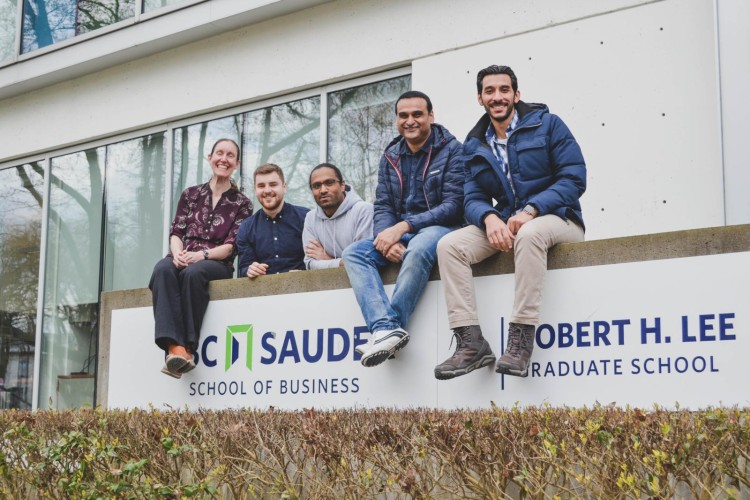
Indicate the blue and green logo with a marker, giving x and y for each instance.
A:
(233, 345)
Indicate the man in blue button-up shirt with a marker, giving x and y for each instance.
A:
(270, 241)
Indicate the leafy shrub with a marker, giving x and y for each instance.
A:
(600, 452)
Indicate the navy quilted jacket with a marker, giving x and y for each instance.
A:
(546, 166)
(441, 180)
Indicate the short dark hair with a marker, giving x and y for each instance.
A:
(333, 167)
(226, 139)
(412, 94)
(268, 168)
(497, 70)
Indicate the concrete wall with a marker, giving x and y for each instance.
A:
(734, 63)
(621, 82)
(333, 41)
(622, 74)
(666, 248)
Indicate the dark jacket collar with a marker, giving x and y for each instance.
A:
(523, 110)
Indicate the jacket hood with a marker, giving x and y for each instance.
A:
(350, 200)
(439, 137)
(527, 112)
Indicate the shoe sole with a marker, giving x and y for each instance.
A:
(187, 367)
(379, 357)
(511, 371)
(175, 363)
(175, 366)
(362, 352)
(481, 363)
(166, 371)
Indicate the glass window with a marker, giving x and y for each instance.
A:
(360, 125)
(46, 22)
(149, 5)
(192, 144)
(21, 190)
(50, 21)
(289, 136)
(133, 235)
(136, 183)
(7, 29)
(94, 14)
(72, 279)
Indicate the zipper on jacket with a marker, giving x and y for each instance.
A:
(488, 155)
(424, 170)
(398, 172)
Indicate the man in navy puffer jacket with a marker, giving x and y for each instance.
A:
(526, 159)
(419, 199)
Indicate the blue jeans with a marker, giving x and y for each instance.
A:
(362, 262)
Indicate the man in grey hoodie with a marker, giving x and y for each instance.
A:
(342, 218)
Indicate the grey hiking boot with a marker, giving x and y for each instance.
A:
(515, 360)
(472, 352)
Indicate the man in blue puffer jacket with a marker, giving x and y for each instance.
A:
(419, 199)
(527, 160)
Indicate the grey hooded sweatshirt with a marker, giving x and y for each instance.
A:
(351, 222)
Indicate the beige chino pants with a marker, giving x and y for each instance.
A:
(458, 250)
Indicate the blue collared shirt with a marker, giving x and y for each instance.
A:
(411, 165)
(276, 242)
(500, 146)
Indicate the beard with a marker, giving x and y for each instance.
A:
(271, 203)
(508, 112)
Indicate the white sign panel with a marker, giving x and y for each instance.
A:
(663, 332)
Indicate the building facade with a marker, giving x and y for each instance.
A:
(108, 109)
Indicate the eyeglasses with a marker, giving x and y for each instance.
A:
(327, 183)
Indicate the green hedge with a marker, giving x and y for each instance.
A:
(600, 452)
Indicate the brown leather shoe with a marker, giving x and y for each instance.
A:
(472, 352)
(515, 360)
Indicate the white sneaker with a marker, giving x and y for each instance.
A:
(362, 349)
(382, 346)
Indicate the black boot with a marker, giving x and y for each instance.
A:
(472, 352)
(515, 360)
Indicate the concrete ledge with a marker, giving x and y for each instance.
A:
(659, 246)
(691, 243)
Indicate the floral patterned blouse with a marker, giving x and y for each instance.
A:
(201, 227)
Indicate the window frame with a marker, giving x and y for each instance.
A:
(138, 17)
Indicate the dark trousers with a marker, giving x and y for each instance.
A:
(180, 299)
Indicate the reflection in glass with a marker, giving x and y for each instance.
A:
(50, 21)
(46, 22)
(95, 14)
(20, 234)
(360, 125)
(192, 144)
(7, 29)
(135, 211)
(71, 295)
(157, 4)
(289, 136)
